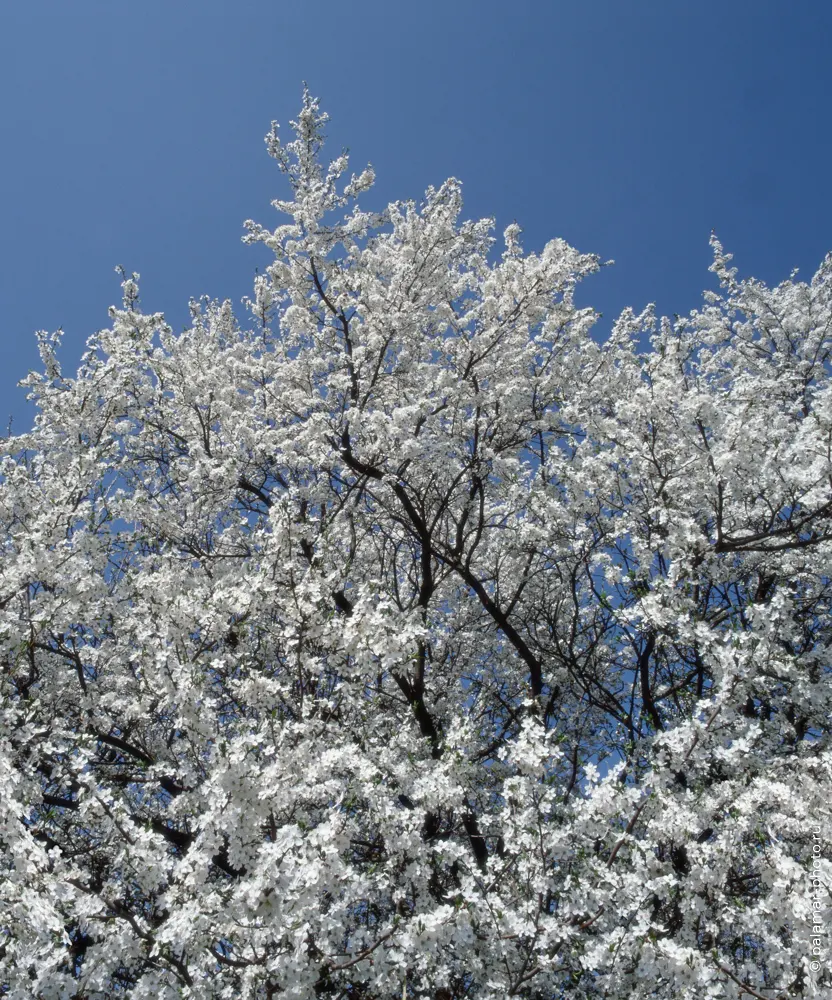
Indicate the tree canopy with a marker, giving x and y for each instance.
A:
(411, 640)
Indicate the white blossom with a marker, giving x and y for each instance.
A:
(412, 642)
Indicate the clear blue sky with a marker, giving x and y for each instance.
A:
(132, 134)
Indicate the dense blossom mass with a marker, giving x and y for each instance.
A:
(408, 640)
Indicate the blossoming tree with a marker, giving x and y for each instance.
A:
(406, 641)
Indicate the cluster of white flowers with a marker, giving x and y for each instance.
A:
(413, 642)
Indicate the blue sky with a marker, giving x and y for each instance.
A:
(133, 135)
